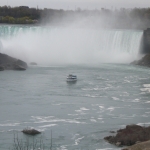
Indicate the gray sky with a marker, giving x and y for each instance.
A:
(73, 4)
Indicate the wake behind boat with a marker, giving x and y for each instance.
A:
(71, 78)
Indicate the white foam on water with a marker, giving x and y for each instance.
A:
(54, 120)
(115, 98)
(83, 108)
(146, 85)
(93, 120)
(101, 107)
(111, 109)
(136, 100)
(49, 125)
(145, 90)
(92, 96)
(41, 119)
(10, 124)
(73, 114)
(143, 124)
(63, 147)
(127, 81)
(82, 112)
(62, 104)
(77, 141)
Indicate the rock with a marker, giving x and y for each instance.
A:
(139, 146)
(31, 131)
(118, 144)
(137, 142)
(130, 135)
(33, 63)
(21, 63)
(18, 67)
(145, 61)
(2, 68)
(10, 63)
(135, 62)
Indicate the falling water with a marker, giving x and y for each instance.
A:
(61, 45)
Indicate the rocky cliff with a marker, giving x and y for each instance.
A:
(146, 41)
(145, 61)
(10, 63)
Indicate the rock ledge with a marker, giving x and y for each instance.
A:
(10, 63)
(131, 135)
(144, 61)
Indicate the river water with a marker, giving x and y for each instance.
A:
(105, 98)
(108, 95)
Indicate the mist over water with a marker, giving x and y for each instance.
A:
(67, 45)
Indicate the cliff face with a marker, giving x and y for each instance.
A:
(146, 41)
(10, 63)
(145, 61)
(145, 49)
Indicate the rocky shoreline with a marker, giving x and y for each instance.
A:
(139, 146)
(144, 61)
(10, 63)
(130, 135)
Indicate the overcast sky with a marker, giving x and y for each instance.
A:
(73, 4)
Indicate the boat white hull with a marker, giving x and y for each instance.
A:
(71, 80)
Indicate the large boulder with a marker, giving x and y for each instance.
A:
(31, 131)
(131, 135)
(10, 63)
(145, 61)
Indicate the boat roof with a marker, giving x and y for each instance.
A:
(71, 75)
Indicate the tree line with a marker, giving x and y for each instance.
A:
(19, 15)
(135, 18)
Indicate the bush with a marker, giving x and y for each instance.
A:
(30, 143)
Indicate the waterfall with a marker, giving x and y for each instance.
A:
(66, 45)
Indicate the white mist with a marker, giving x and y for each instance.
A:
(62, 45)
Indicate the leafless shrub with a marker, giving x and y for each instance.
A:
(31, 143)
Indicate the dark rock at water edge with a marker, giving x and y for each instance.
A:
(145, 61)
(31, 131)
(18, 67)
(33, 63)
(131, 135)
(2, 68)
(139, 146)
(10, 63)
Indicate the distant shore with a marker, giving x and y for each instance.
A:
(135, 18)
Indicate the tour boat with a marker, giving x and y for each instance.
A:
(71, 78)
